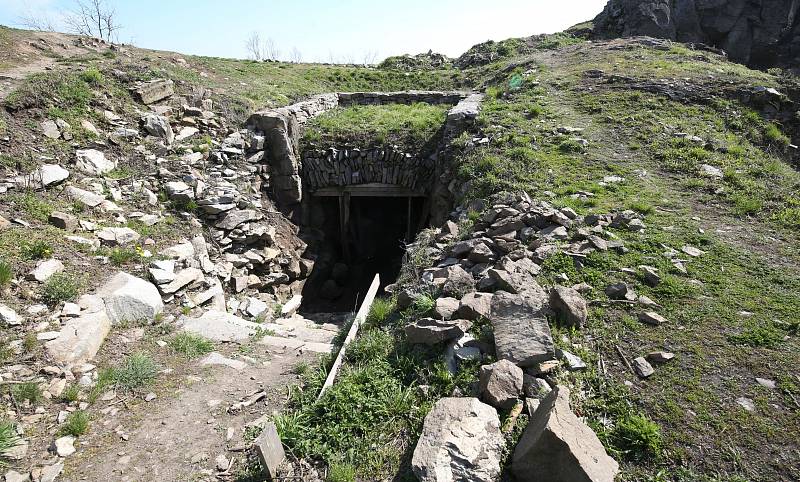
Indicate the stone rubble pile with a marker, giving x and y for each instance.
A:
(491, 273)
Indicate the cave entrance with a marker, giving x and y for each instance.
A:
(365, 229)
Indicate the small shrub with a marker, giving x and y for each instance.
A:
(60, 287)
(30, 342)
(638, 437)
(424, 304)
(191, 345)
(340, 472)
(92, 76)
(27, 391)
(6, 274)
(76, 424)
(138, 370)
(37, 250)
(371, 345)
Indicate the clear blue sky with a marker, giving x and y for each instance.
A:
(321, 28)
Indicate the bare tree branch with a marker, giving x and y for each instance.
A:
(42, 22)
(93, 18)
(296, 56)
(253, 46)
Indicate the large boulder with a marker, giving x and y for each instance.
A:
(501, 384)
(460, 441)
(129, 298)
(521, 332)
(557, 447)
(569, 305)
(430, 331)
(155, 90)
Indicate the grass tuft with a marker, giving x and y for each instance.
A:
(60, 287)
(6, 274)
(191, 345)
(136, 371)
(77, 424)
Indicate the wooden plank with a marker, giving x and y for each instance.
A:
(369, 190)
(361, 316)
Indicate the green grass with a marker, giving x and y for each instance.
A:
(8, 439)
(77, 424)
(379, 311)
(638, 437)
(190, 345)
(341, 473)
(6, 274)
(38, 249)
(60, 287)
(71, 393)
(121, 256)
(27, 391)
(136, 371)
(33, 205)
(409, 126)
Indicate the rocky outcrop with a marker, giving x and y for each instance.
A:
(460, 441)
(760, 33)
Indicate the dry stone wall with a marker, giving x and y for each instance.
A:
(340, 166)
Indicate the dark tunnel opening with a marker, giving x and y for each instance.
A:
(361, 235)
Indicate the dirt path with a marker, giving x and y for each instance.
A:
(25, 57)
(179, 436)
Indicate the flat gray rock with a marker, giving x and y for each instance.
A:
(79, 339)
(219, 326)
(521, 332)
(45, 270)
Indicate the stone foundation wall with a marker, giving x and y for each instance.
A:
(344, 166)
(282, 163)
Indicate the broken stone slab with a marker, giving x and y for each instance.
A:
(430, 331)
(117, 236)
(557, 447)
(93, 162)
(296, 344)
(460, 441)
(80, 339)
(45, 270)
(270, 449)
(466, 348)
(220, 326)
(158, 126)
(521, 332)
(660, 357)
(178, 252)
(474, 306)
(129, 298)
(291, 306)
(45, 176)
(14, 476)
(154, 90)
(500, 384)
(64, 221)
(50, 129)
(87, 198)
(569, 305)
(9, 316)
(642, 367)
(458, 281)
(64, 446)
(215, 358)
(445, 307)
(620, 291)
(182, 279)
(652, 318)
(235, 217)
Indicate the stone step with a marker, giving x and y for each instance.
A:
(302, 332)
(300, 322)
(296, 344)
